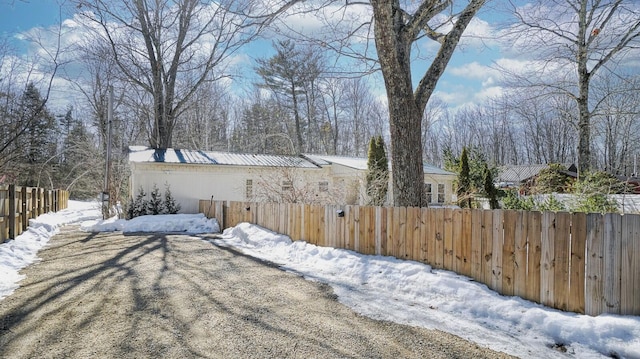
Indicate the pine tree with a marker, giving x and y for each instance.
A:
(490, 189)
(138, 207)
(464, 181)
(154, 205)
(377, 172)
(170, 204)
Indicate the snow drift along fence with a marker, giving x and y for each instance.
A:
(19, 204)
(584, 263)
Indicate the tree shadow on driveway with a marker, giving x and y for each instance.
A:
(177, 296)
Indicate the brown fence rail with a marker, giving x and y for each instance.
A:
(584, 263)
(19, 204)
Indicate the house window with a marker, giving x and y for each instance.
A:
(428, 192)
(440, 193)
(323, 186)
(248, 190)
(287, 185)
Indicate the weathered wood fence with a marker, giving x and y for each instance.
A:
(584, 263)
(19, 204)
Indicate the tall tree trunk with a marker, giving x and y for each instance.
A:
(584, 118)
(405, 118)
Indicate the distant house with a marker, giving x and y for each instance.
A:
(438, 183)
(193, 175)
(517, 176)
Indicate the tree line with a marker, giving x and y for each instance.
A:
(171, 68)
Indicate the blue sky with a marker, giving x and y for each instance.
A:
(21, 15)
(465, 80)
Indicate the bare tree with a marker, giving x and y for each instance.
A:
(19, 72)
(575, 42)
(170, 48)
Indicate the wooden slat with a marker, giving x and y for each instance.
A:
(508, 251)
(413, 232)
(439, 236)
(548, 256)
(391, 224)
(627, 275)
(487, 247)
(432, 233)
(448, 239)
(612, 261)
(534, 255)
(466, 242)
(321, 226)
(424, 235)
(496, 258)
(520, 256)
(561, 284)
(635, 268)
(594, 289)
(351, 213)
(381, 229)
(577, 276)
(370, 222)
(476, 245)
(401, 240)
(456, 241)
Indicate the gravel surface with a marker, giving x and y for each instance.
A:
(111, 295)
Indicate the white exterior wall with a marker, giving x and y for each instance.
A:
(189, 183)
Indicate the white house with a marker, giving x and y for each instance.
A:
(193, 175)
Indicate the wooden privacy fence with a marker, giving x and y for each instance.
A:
(19, 204)
(584, 263)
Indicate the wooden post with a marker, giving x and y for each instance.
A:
(534, 255)
(594, 289)
(24, 209)
(612, 262)
(496, 258)
(547, 260)
(578, 246)
(561, 283)
(508, 251)
(12, 211)
(520, 256)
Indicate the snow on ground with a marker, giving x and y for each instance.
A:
(19, 253)
(379, 287)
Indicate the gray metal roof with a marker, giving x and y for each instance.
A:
(519, 173)
(171, 155)
(361, 163)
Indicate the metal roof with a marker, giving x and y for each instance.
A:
(360, 163)
(519, 173)
(171, 155)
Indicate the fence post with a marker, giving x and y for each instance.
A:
(12, 211)
(24, 218)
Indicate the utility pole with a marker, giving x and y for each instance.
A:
(106, 200)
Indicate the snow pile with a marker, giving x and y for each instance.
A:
(22, 251)
(413, 293)
(185, 223)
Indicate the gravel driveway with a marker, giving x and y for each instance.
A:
(111, 295)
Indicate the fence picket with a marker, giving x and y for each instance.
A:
(547, 260)
(476, 244)
(497, 253)
(520, 255)
(561, 283)
(448, 239)
(534, 255)
(508, 251)
(577, 276)
(612, 262)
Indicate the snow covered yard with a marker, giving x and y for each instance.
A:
(376, 286)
